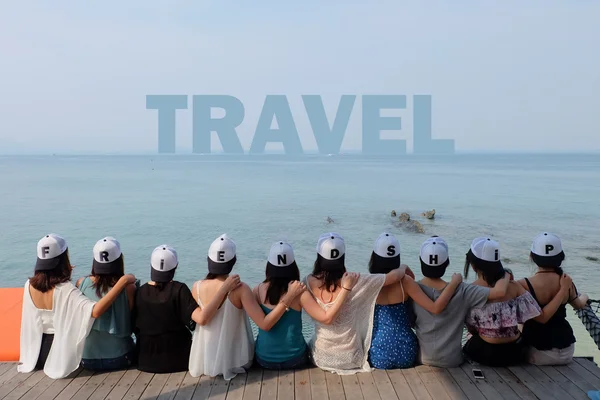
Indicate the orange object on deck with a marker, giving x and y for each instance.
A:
(11, 304)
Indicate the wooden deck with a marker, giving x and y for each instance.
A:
(515, 383)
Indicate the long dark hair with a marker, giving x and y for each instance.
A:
(278, 285)
(551, 263)
(210, 276)
(330, 278)
(105, 281)
(48, 279)
(383, 265)
(492, 272)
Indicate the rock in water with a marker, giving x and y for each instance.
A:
(393, 213)
(329, 220)
(590, 258)
(404, 217)
(415, 226)
(429, 214)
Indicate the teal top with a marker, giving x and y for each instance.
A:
(284, 341)
(111, 333)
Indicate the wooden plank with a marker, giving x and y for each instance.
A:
(170, 389)
(545, 380)
(187, 388)
(155, 386)
(285, 389)
(205, 384)
(589, 365)
(433, 386)
(575, 378)
(416, 384)
(501, 387)
(466, 384)
(8, 375)
(269, 385)
(121, 389)
(452, 389)
(532, 384)
(13, 382)
(253, 384)
(368, 387)
(107, 385)
(139, 386)
(483, 385)
(236, 387)
(515, 384)
(5, 367)
(74, 386)
(318, 387)
(335, 388)
(384, 385)
(21, 389)
(43, 385)
(219, 389)
(58, 385)
(585, 374)
(400, 385)
(564, 382)
(302, 384)
(352, 387)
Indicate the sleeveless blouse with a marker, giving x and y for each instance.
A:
(394, 343)
(111, 333)
(554, 334)
(343, 346)
(284, 341)
(501, 319)
(224, 346)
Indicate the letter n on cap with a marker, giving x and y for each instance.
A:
(281, 258)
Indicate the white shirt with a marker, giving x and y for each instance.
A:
(70, 319)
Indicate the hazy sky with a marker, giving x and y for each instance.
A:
(504, 76)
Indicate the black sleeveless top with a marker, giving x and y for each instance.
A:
(554, 334)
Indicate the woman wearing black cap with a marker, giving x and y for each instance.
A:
(165, 312)
(284, 347)
(224, 344)
(56, 316)
(109, 345)
(496, 339)
(394, 343)
(550, 336)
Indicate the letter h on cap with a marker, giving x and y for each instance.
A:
(433, 259)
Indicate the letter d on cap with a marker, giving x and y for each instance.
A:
(334, 253)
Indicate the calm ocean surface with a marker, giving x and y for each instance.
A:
(187, 201)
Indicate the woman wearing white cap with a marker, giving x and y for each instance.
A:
(224, 344)
(342, 347)
(394, 343)
(57, 317)
(109, 345)
(496, 339)
(550, 336)
(283, 347)
(165, 312)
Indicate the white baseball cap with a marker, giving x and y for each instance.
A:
(281, 254)
(331, 246)
(107, 252)
(486, 249)
(163, 261)
(434, 252)
(546, 245)
(221, 255)
(386, 246)
(49, 250)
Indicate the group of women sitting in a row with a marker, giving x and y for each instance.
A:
(360, 320)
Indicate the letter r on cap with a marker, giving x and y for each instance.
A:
(549, 248)
(104, 256)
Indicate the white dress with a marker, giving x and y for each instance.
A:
(72, 322)
(343, 346)
(225, 346)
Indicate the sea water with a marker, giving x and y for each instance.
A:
(187, 201)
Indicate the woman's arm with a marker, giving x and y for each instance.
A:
(131, 288)
(500, 288)
(415, 293)
(203, 316)
(550, 309)
(326, 317)
(105, 302)
(266, 322)
(395, 275)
